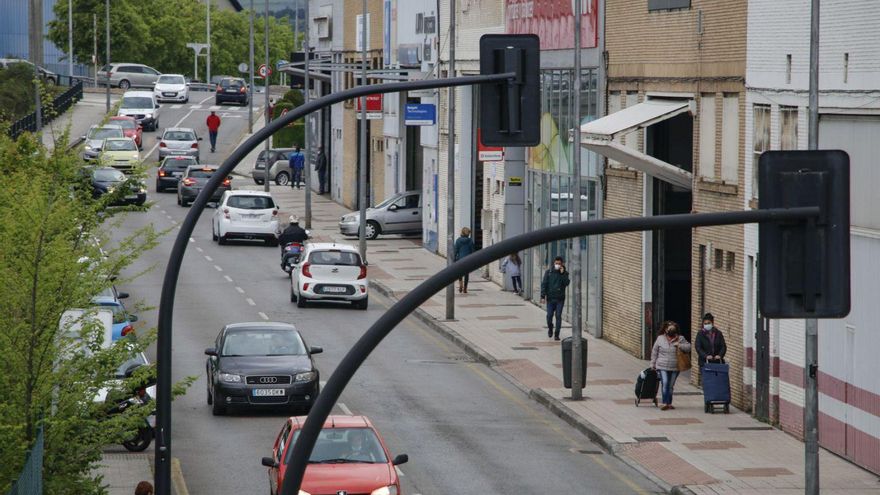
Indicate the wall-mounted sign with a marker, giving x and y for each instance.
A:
(488, 153)
(553, 21)
(374, 107)
(420, 114)
(514, 181)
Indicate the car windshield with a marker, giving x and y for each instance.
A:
(179, 136)
(335, 257)
(125, 123)
(119, 145)
(137, 102)
(263, 342)
(171, 80)
(387, 202)
(250, 202)
(342, 445)
(109, 175)
(137, 360)
(178, 163)
(201, 174)
(119, 314)
(104, 133)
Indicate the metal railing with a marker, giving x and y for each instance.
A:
(30, 480)
(60, 104)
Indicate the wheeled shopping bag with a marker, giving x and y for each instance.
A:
(647, 384)
(716, 386)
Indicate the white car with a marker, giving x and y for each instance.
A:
(171, 87)
(245, 214)
(143, 107)
(329, 272)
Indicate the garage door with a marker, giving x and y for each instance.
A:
(860, 137)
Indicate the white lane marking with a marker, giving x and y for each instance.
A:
(399, 472)
(209, 258)
(250, 301)
(344, 408)
(169, 217)
(263, 315)
(192, 240)
(323, 382)
(164, 212)
(176, 106)
(218, 268)
(215, 107)
(195, 107)
(200, 249)
(228, 278)
(239, 289)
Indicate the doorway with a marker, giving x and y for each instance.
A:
(413, 158)
(358, 161)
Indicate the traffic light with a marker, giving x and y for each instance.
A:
(804, 265)
(510, 111)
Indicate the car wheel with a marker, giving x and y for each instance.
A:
(282, 179)
(159, 188)
(179, 202)
(362, 304)
(124, 84)
(214, 236)
(372, 229)
(218, 408)
(186, 100)
(301, 301)
(292, 296)
(221, 240)
(258, 182)
(208, 397)
(140, 202)
(51, 81)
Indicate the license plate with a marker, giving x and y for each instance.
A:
(268, 392)
(251, 217)
(232, 91)
(178, 152)
(334, 289)
(169, 94)
(176, 174)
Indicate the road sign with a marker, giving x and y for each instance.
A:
(264, 71)
(243, 68)
(420, 114)
(510, 112)
(279, 63)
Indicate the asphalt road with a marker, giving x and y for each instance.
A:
(466, 429)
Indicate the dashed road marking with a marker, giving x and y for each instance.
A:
(209, 258)
(164, 212)
(215, 107)
(228, 278)
(169, 217)
(239, 289)
(399, 472)
(176, 106)
(218, 268)
(195, 107)
(250, 301)
(344, 408)
(200, 249)
(263, 315)
(192, 240)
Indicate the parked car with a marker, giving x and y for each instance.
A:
(261, 364)
(94, 139)
(127, 75)
(122, 320)
(171, 87)
(194, 179)
(120, 153)
(349, 457)
(280, 169)
(329, 272)
(142, 106)
(130, 128)
(106, 180)
(399, 214)
(232, 90)
(179, 141)
(245, 214)
(46, 75)
(170, 171)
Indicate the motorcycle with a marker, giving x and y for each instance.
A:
(290, 255)
(146, 432)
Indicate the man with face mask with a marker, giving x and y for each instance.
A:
(710, 342)
(553, 292)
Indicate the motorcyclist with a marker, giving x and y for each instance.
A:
(293, 233)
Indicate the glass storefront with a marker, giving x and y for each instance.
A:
(551, 182)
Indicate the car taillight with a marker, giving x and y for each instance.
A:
(306, 271)
(127, 330)
(363, 273)
(243, 90)
(141, 392)
(219, 89)
(161, 173)
(188, 181)
(226, 213)
(195, 145)
(363, 289)
(226, 181)
(162, 144)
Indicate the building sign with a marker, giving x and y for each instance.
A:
(359, 45)
(514, 181)
(420, 114)
(488, 153)
(386, 34)
(553, 21)
(374, 107)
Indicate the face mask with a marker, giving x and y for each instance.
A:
(557, 266)
(707, 327)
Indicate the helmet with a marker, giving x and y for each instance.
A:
(294, 219)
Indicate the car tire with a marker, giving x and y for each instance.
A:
(301, 301)
(218, 408)
(258, 182)
(372, 229)
(140, 202)
(208, 397)
(282, 179)
(221, 240)
(159, 188)
(186, 100)
(179, 202)
(214, 236)
(292, 296)
(362, 304)
(124, 84)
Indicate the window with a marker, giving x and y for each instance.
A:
(788, 69)
(250, 202)
(707, 135)
(668, 4)
(788, 128)
(420, 23)
(429, 25)
(730, 139)
(730, 261)
(335, 258)
(761, 138)
(719, 258)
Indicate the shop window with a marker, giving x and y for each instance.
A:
(668, 4)
(761, 140)
(788, 117)
(730, 139)
(707, 135)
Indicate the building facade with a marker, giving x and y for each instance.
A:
(16, 42)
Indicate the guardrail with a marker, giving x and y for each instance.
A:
(60, 104)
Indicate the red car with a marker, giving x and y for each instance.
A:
(130, 128)
(349, 457)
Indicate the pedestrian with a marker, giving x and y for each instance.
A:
(464, 246)
(297, 163)
(512, 265)
(213, 124)
(553, 293)
(664, 359)
(144, 488)
(321, 168)
(710, 342)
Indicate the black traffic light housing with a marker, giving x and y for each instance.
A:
(510, 112)
(804, 266)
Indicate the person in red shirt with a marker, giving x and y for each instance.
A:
(213, 124)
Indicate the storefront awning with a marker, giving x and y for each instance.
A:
(603, 137)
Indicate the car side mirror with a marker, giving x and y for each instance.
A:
(392, 208)
(157, 105)
(269, 462)
(131, 369)
(400, 459)
(316, 349)
(132, 318)
(83, 138)
(122, 295)
(210, 351)
(200, 139)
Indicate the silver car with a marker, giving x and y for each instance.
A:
(179, 141)
(280, 169)
(127, 76)
(94, 140)
(399, 214)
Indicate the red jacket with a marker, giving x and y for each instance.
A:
(213, 122)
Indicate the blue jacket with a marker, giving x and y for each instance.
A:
(463, 247)
(297, 160)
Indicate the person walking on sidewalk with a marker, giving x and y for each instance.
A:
(321, 168)
(553, 292)
(512, 266)
(144, 488)
(464, 246)
(664, 359)
(710, 342)
(297, 163)
(213, 124)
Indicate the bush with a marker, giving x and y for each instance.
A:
(292, 135)
(16, 92)
(295, 97)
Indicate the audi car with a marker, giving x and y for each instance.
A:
(261, 364)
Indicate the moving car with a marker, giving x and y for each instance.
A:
(261, 364)
(349, 457)
(194, 179)
(107, 180)
(171, 87)
(329, 272)
(245, 214)
(399, 214)
(179, 141)
(170, 171)
(120, 153)
(127, 75)
(94, 139)
(280, 169)
(142, 106)
(130, 128)
(232, 90)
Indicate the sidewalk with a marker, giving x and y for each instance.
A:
(88, 111)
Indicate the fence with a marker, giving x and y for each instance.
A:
(30, 481)
(60, 104)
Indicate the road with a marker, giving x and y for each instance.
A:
(465, 428)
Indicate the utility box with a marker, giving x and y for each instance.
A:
(567, 344)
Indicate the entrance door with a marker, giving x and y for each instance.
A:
(413, 158)
(358, 161)
(762, 353)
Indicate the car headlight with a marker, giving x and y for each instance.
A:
(88, 148)
(385, 490)
(148, 116)
(305, 377)
(230, 378)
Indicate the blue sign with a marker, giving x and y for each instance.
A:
(420, 114)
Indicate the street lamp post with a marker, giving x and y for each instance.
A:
(450, 165)
(362, 169)
(251, 72)
(70, 42)
(266, 86)
(107, 41)
(308, 122)
(208, 41)
(577, 300)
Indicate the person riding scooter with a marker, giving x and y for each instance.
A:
(291, 241)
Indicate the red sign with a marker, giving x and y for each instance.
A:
(374, 103)
(488, 153)
(553, 21)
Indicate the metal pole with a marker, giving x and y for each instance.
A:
(70, 42)
(95, 46)
(38, 107)
(208, 36)
(362, 168)
(308, 123)
(450, 165)
(196, 63)
(811, 347)
(266, 89)
(577, 309)
(107, 41)
(251, 73)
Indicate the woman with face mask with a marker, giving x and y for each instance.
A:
(664, 359)
(710, 342)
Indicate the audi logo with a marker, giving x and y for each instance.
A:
(268, 379)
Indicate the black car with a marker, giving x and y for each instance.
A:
(108, 179)
(170, 171)
(261, 364)
(232, 90)
(194, 179)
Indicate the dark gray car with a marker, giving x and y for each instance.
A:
(179, 141)
(194, 179)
